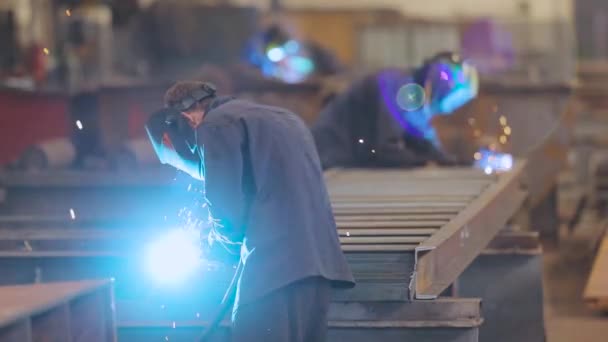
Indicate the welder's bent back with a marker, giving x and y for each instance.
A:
(265, 186)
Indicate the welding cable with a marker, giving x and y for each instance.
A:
(225, 305)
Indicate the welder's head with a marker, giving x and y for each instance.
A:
(172, 130)
(449, 82)
(189, 96)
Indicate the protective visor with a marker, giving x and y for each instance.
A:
(453, 85)
(174, 141)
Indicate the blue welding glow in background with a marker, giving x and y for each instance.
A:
(491, 161)
(289, 62)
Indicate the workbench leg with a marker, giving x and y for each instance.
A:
(510, 286)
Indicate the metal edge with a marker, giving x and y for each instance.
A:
(463, 238)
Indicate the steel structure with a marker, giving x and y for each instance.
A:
(409, 234)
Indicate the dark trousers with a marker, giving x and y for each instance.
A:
(294, 313)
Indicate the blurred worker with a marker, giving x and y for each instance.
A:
(266, 193)
(276, 54)
(384, 120)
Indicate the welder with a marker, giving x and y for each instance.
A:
(385, 119)
(266, 194)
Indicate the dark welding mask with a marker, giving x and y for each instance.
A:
(174, 141)
(450, 83)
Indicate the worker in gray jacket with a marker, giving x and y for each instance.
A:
(266, 193)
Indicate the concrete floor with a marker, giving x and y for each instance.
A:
(565, 274)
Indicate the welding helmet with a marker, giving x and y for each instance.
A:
(174, 141)
(449, 83)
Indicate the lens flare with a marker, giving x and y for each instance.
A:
(411, 97)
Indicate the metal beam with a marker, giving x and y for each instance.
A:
(440, 259)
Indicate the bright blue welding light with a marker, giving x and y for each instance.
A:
(275, 54)
(174, 257)
(490, 161)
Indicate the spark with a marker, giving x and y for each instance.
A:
(347, 233)
(477, 156)
(198, 315)
(79, 124)
(503, 139)
(361, 141)
(373, 151)
(189, 187)
(507, 130)
(46, 51)
(487, 170)
(503, 120)
(72, 214)
(173, 324)
(166, 338)
(27, 246)
(68, 12)
(471, 121)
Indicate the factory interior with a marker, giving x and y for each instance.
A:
(472, 205)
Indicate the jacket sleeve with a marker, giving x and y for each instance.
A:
(223, 146)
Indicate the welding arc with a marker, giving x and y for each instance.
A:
(225, 305)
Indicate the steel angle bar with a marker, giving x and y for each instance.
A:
(344, 213)
(360, 240)
(380, 248)
(405, 197)
(445, 255)
(444, 309)
(418, 173)
(395, 218)
(389, 224)
(387, 232)
(396, 206)
(160, 177)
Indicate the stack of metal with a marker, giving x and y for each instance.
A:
(407, 235)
